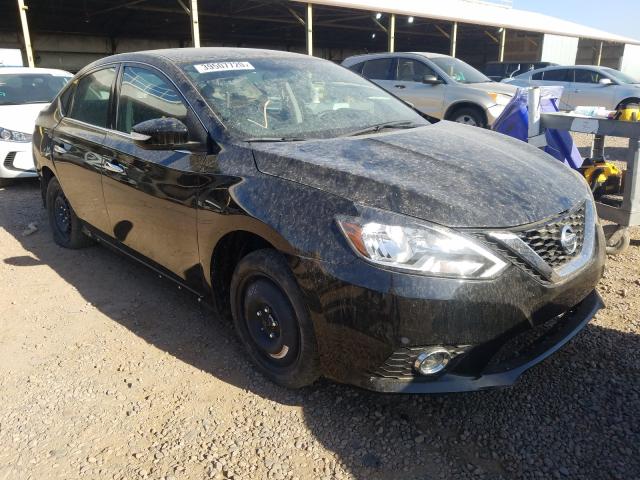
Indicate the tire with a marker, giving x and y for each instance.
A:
(272, 320)
(65, 225)
(617, 242)
(4, 182)
(468, 116)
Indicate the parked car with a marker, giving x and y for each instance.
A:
(585, 85)
(440, 86)
(498, 71)
(342, 233)
(23, 93)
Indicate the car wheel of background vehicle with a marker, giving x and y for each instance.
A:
(618, 239)
(272, 319)
(468, 116)
(65, 225)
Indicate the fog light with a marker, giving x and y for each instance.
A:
(432, 360)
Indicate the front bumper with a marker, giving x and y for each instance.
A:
(367, 318)
(16, 160)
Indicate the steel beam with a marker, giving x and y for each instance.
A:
(503, 43)
(599, 60)
(454, 38)
(22, 8)
(195, 25)
(392, 32)
(309, 29)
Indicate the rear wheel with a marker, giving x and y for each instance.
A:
(468, 116)
(65, 225)
(272, 320)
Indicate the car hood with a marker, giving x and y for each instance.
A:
(493, 87)
(447, 173)
(21, 118)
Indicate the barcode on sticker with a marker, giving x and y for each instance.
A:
(223, 67)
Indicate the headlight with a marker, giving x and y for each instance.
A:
(500, 98)
(419, 248)
(13, 136)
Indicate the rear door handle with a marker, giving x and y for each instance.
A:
(110, 166)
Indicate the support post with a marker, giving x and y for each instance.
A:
(503, 42)
(454, 38)
(309, 29)
(392, 32)
(25, 33)
(599, 60)
(195, 25)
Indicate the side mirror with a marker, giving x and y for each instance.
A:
(160, 133)
(431, 80)
(605, 82)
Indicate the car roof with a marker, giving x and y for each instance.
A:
(371, 56)
(49, 71)
(204, 54)
(560, 67)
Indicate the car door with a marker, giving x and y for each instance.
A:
(78, 145)
(378, 70)
(587, 90)
(558, 77)
(151, 193)
(408, 84)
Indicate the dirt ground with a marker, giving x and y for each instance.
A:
(108, 372)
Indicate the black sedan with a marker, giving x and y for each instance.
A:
(342, 233)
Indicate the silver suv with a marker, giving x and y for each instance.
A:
(438, 85)
(584, 85)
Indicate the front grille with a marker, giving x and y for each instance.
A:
(545, 239)
(8, 160)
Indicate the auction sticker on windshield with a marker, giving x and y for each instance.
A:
(223, 67)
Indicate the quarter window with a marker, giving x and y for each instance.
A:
(377, 69)
(145, 95)
(91, 100)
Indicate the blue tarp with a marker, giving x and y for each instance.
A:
(514, 121)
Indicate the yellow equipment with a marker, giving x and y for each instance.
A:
(603, 177)
(628, 113)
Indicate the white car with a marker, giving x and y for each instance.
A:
(584, 85)
(24, 92)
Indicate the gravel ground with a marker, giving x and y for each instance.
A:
(107, 371)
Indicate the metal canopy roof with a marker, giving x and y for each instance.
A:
(476, 13)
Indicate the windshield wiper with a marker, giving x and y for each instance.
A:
(382, 126)
(275, 139)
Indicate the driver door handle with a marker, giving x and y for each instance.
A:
(110, 166)
(400, 86)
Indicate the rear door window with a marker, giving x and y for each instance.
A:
(558, 75)
(92, 97)
(377, 69)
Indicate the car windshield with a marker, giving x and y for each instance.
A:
(296, 99)
(619, 76)
(22, 88)
(460, 71)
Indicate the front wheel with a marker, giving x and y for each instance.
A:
(468, 116)
(272, 320)
(65, 225)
